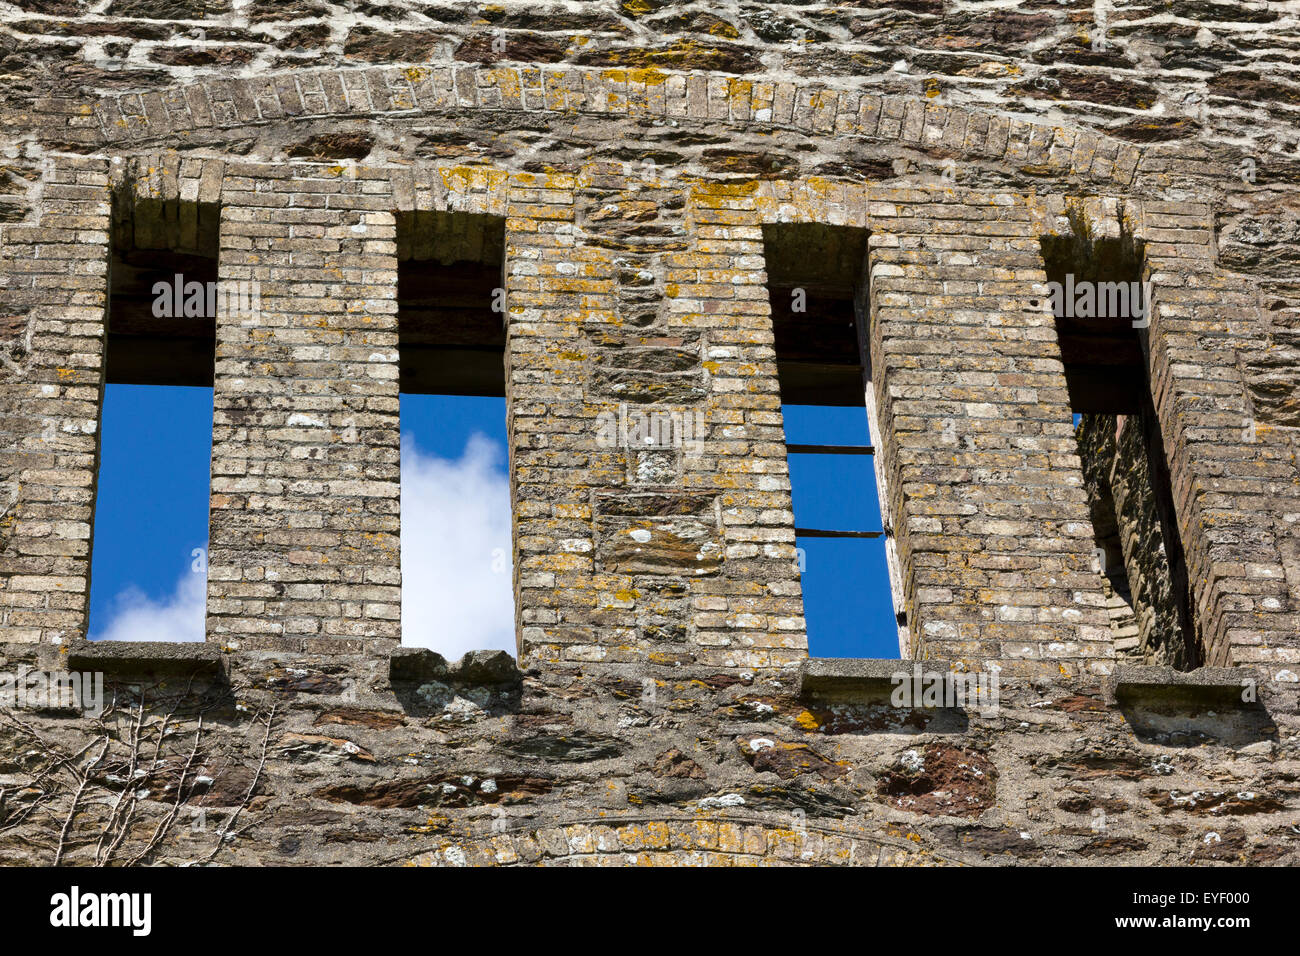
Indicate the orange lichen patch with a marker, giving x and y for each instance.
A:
(807, 721)
(726, 190)
(650, 77)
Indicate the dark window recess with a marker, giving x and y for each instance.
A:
(814, 276)
(451, 329)
(158, 244)
(1121, 447)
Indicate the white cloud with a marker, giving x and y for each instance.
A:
(457, 590)
(136, 617)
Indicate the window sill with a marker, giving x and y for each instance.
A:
(823, 674)
(144, 657)
(1128, 682)
(1210, 684)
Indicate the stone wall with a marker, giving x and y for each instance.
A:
(664, 709)
(338, 759)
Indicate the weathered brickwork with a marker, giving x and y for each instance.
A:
(629, 168)
(628, 294)
(976, 425)
(304, 521)
(1237, 506)
(56, 273)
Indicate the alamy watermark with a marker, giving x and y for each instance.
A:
(969, 690)
(30, 689)
(206, 300)
(652, 429)
(1101, 300)
(77, 909)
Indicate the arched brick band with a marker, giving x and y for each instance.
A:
(703, 97)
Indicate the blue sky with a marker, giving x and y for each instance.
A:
(847, 601)
(151, 512)
(152, 516)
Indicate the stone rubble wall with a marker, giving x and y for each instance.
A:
(477, 764)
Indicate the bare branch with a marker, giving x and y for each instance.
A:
(76, 800)
(165, 825)
(229, 828)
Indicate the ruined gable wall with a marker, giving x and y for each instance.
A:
(624, 740)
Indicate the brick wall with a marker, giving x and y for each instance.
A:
(986, 488)
(55, 291)
(638, 287)
(1235, 484)
(630, 298)
(305, 485)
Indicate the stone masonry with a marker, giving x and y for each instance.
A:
(630, 168)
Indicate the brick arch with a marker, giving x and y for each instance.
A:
(810, 108)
